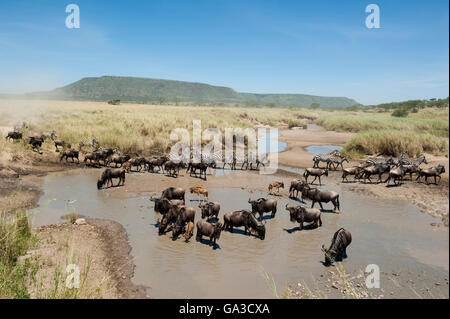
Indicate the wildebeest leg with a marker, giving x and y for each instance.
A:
(320, 182)
(312, 205)
(314, 180)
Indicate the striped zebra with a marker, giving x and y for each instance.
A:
(94, 142)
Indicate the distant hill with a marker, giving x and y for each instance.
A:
(145, 90)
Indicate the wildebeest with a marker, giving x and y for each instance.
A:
(173, 193)
(139, 162)
(156, 162)
(302, 215)
(231, 161)
(108, 175)
(321, 196)
(14, 135)
(172, 168)
(199, 191)
(431, 172)
(396, 174)
(212, 230)
(92, 157)
(184, 215)
(49, 135)
(262, 205)
(163, 205)
(377, 169)
(244, 218)
(35, 142)
(193, 167)
(188, 231)
(210, 209)
(355, 171)
(297, 185)
(62, 144)
(316, 172)
(72, 153)
(338, 248)
(120, 159)
(276, 185)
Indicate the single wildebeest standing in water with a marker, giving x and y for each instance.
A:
(431, 172)
(212, 230)
(244, 218)
(302, 215)
(337, 251)
(321, 196)
(108, 175)
(173, 193)
(263, 205)
(316, 172)
(210, 210)
(73, 154)
(184, 215)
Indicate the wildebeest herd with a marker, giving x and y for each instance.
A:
(179, 218)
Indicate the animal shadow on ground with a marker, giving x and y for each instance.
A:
(297, 200)
(327, 211)
(205, 241)
(266, 217)
(297, 228)
(394, 185)
(242, 232)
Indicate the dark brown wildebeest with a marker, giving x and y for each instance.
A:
(173, 193)
(72, 153)
(377, 169)
(163, 205)
(61, 143)
(14, 135)
(244, 218)
(302, 215)
(172, 168)
(316, 172)
(210, 210)
(276, 185)
(188, 231)
(120, 159)
(92, 157)
(263, 205)
(184, 215)
(139, 162)
(431, 172)
(321, 196)
(338, 248)
(35, 142)
(355, 171)
(108, 175)
(156, 162)
(297, 185)
(397, 175)
(212, 230)
(193, 167)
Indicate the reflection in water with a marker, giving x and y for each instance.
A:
(323, 149)
(175, 269)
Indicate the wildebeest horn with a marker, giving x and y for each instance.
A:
(323, 248)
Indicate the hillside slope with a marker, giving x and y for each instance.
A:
(151, 90)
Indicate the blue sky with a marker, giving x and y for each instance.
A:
(310, 47)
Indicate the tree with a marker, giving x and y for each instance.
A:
(314, 106)
(161, 101)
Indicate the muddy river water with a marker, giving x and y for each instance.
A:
(395, 235)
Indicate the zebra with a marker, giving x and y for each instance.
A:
(414, 161)
(90, 144)
(325, 158)
(49, 135)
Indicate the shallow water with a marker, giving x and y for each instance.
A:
(322, 149)
(314, 127)
(267, 140)
(392, 234)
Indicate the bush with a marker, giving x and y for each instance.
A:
(401, 112)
